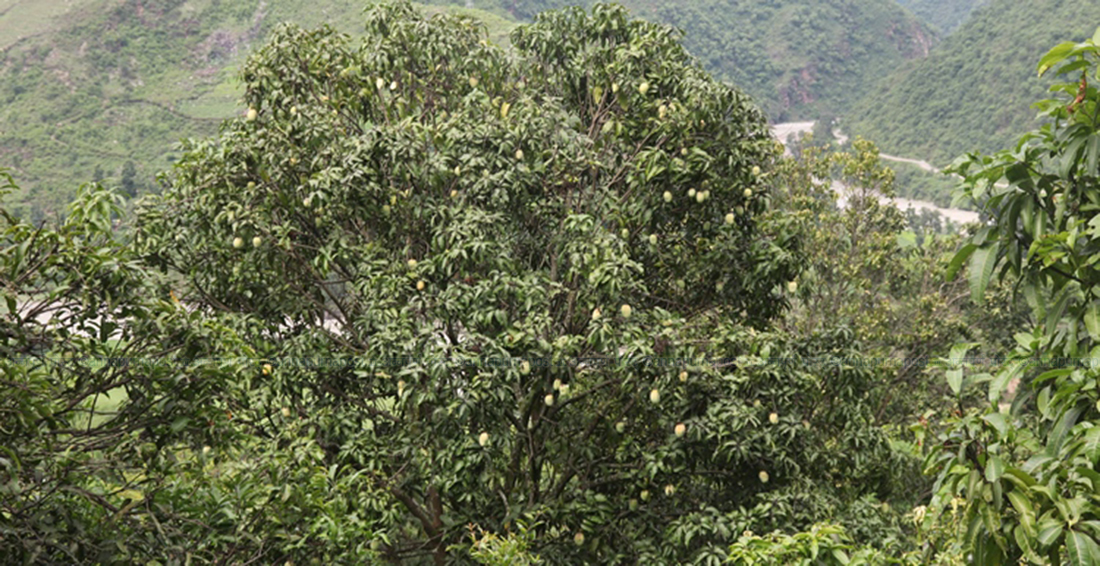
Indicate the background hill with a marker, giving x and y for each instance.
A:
(944, 15)
(974, 91)
(797, 58)
(94, 89)
(103, 88)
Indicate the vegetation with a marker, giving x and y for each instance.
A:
(572, 213)
(819, 55)
(1021, 476)
(974, 91)
(77, 100)
(943, 15)
(430, 301)
(112, 83)
(917, 184)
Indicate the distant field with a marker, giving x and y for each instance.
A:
(25, 18)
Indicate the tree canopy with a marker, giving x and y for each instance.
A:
(429, 301)
(520, 287)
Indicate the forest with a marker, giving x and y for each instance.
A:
(431, 298)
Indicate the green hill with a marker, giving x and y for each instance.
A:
(22, 19)
(97, 89)
(797, 58)
(974, 91)
(944, 15)
(104, 89)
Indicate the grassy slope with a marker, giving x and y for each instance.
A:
(22, 19)
(114, 81)
(974, 92)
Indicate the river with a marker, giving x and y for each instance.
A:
(956, 215)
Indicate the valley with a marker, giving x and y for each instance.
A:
(960, 217)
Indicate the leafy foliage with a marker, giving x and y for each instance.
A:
(536, 281)
(1022, 475)
(873, 271)
(86, 440)
(821, 545)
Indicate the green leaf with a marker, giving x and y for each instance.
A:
(1058, 434)
(954, 380)
(1025, 509)
(994, 468)
(179, 424)
(981, 269)
(1019, 477)
(1092, 156)
(1093, 477)
(1003, 378)
(997, 421)
(1081, 550)
(1092, 319)
(959, 351)
(1056, 55)
(1048, 535)
(958, 261)
(1091, 446)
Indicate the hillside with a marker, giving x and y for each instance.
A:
(797, 58)
(818, 55)
(96, 89)
(944, 15)
(974, 91)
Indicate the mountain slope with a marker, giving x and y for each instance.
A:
(797, 58)
(96, 89)
(974, 91)
(944, 15)
(105, 88)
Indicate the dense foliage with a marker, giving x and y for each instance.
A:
(973, 92)
(880, 273)
(492, 246)
(428, 300)
(1019, 478)
(94, 418)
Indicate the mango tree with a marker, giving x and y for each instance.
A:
(519, 287)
